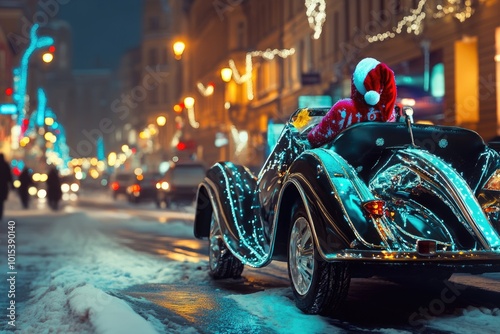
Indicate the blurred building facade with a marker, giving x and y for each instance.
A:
(447, 49)
(150, 86)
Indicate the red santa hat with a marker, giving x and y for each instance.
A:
(376, 84)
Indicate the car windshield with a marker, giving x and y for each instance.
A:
(187, 175)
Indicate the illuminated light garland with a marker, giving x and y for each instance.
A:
(205, 91)
(192, 119)
(413, 22)
(247, 77)
(316, 15)
(454, 8)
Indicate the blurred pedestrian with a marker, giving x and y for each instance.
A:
(5, 182)
(54, 192)
(26, 181)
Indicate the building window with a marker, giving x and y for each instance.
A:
(336, 37)
(164, 93)
(153, 97)
(3, 64)
(164, 56)
(153, 23)
(241, 35)
(153, 57)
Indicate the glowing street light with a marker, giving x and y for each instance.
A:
(47, 57)
(161, 120)
(189, 102)
(226, 73)
(179, 47)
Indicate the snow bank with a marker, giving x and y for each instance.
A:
(470, 320)
(74, 267)
(107, 314)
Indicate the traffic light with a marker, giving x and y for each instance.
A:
(9, 91)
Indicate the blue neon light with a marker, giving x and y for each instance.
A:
(42, 104)
(36, 42)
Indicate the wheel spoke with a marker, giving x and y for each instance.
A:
(301, 250)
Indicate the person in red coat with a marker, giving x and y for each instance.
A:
(373, 97)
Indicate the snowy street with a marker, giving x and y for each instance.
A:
(104, 266)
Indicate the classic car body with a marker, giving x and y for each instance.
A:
(379, 199)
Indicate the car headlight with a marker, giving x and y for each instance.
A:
(65, 187)
(493, 182)
(75, 187)
(165, 185)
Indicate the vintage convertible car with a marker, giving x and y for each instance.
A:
(381, 199)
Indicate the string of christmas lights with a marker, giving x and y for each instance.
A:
(205, 91)
(247, 76)
(316, 15)
(462, 10)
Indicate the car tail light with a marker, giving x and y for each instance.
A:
(426, 247)
(136, 188)
(493, 182)
(376, 208)
(115, 186)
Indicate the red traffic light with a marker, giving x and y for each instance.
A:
(9, 91)
(181, 146)
(52, 49)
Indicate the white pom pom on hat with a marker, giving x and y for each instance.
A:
(360, 73)
(372, 97)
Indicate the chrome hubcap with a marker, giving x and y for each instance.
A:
(215, 242)
(301, 256)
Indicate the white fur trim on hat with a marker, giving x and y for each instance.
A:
(361, 71)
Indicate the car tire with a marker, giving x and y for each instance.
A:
(319, 287)
(222, 263)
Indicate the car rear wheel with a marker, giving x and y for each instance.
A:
(318, 287)
(222, 263)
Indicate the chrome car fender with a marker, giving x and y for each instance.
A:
(332, 194)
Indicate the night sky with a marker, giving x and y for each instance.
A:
(102, 30)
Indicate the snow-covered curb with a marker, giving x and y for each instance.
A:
(74, 267)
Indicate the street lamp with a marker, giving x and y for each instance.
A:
(161, 120)
(226, 73)
(47, 57)
(179, 47)
(189, 102)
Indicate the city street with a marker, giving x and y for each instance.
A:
(104, 266)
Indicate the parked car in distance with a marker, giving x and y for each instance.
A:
(143, 187)
(180, 183)
(119, 183)
(70, 187)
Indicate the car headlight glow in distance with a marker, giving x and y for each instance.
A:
(75, 187)
(165, 185)
(42, 193)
